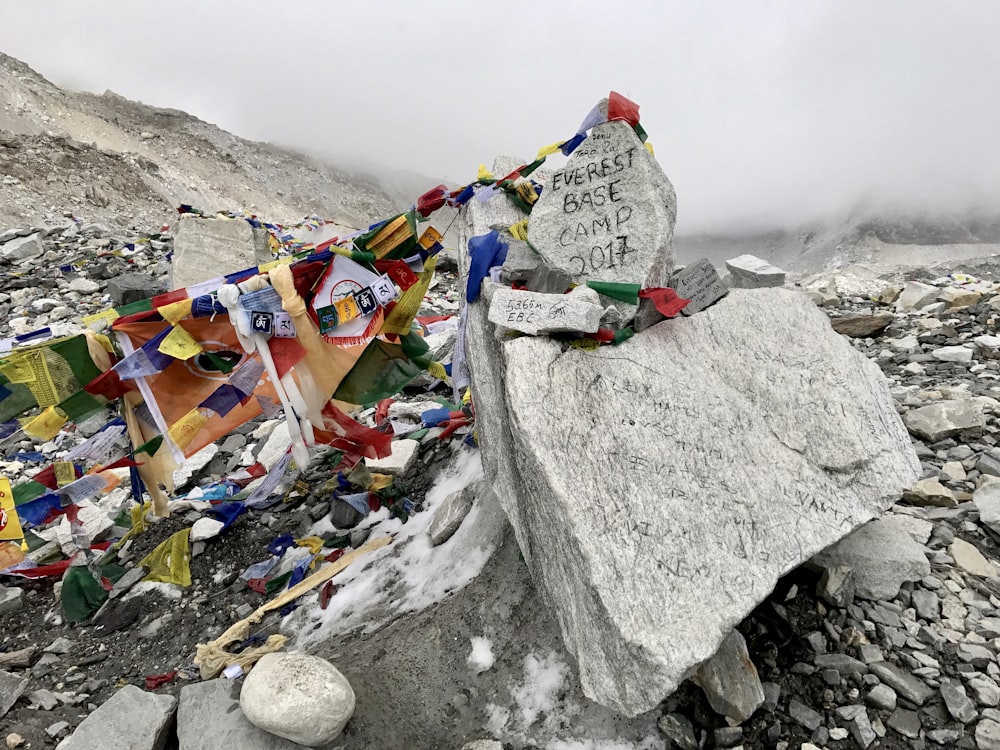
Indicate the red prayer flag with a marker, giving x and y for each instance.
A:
(666, 300)
(432, 200)
(620, 108)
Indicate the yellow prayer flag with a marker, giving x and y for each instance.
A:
(108, 316)
(265, 267)
(519, 231)
(10, 524)
(182, 431)
(437, 370)
(380, 482)
(429, 238)
(347, 309)
(65, 473)
(588, 345)
(401, 317)
(389, 237)
(313, 543)
(550, 149)
(649, 148)
(179, 344)
(176, 311)
(484, 173)
(47, 424)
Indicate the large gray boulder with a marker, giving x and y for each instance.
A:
(207, 248)
(658, 489)
(209, 718)
(608, 215)
(300, 697)
(131, 719)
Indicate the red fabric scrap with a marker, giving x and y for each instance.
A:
(604, 335)
(344, 433)
(382, 410)
(374, 502)
(432, 200)
(620, 108)
(336, 554)
(451, 425)
(665, 300)
(258, 584)
(400, 273)
(110, 386)
(326, 593)
(168, 298)
(154, 681)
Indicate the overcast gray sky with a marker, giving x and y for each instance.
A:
(761, 112)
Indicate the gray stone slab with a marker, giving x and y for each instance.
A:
(133, 287)
(693, 464)
(209, 717)
(207, 248)
(609, 213)
(22, 248)
(751, 272)
(12, 687)
(131, 719)
(883, 556)
(536, 313)
(700, 283)
(947, 419)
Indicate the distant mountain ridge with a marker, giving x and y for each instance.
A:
(111, 159)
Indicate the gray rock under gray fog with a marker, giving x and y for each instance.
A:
(609, 214)
(712, 454)
(207, 248)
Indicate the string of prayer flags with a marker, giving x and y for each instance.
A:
(549, 150)
(335, 289)
(400, 319)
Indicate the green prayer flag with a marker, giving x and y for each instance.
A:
(628, 293)
(382, 370)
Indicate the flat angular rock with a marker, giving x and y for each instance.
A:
(862, 326)
(909, 687)
(404, 453)
(987, 502)
(299, 697)
(958, 297)
(971, 560)
(209, 717)
(207, 248)
(930, 492)
(730, 681)
(916, 295)
(883, 556)
(751, 272)
(946, 419)
(22, 248)
(535, 313)
(133, 287)
(448, 516)
(700, 283)
(609, 213)
(619, 467)
(12, 687)
(131, 719)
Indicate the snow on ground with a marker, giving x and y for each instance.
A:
(540, 708)
(481, 658)
(408, 575)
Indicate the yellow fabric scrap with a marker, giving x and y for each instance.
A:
(437, 370)
(65, 473)
(270, 265)
(550, 149)
(380, 482)
(588, 345)
(519, 231)
(211, 660)
(182, 431)
(402, 315)
(175, 312)
(347, 309)
(107, 316)
(526, 192)
(170, 562)
(649, 148)
(180, 344)
(313, 543)
(47, 424)
(484, 173)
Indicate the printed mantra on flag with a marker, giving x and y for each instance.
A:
(600, 210)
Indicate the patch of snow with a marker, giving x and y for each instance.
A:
(649, 743)
(481, 658)
(543, 677)
(167, 590)
(408, 575)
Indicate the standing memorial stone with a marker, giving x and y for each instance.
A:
(609, 214)
(700, 283)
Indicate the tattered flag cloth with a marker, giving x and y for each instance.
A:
(335, 303)
(177, 395)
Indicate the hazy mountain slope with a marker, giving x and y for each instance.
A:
(111, 159)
